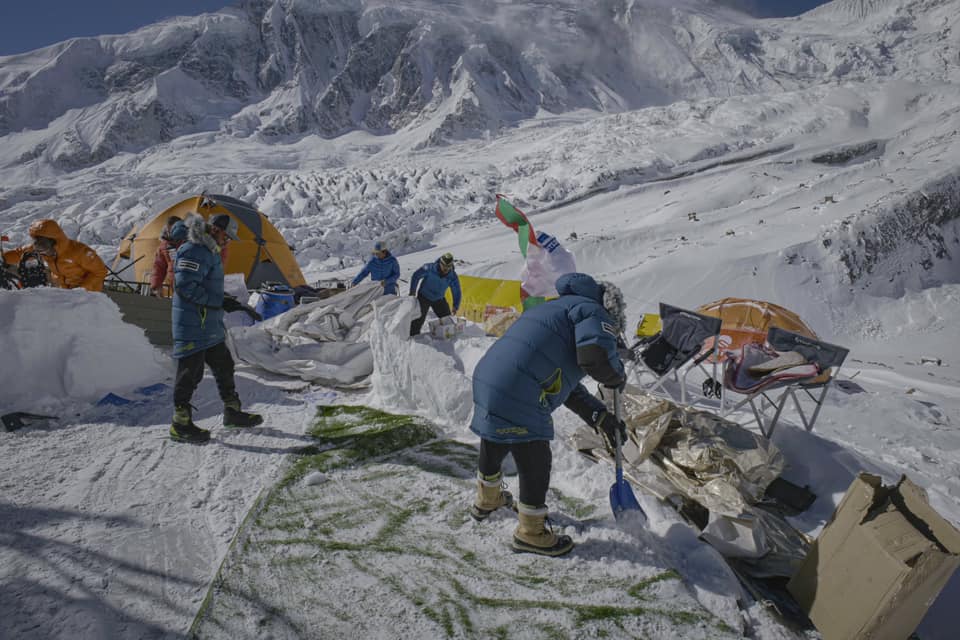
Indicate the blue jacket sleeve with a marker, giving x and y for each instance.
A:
(189, 274)
(394, 274)
(416, 278)
(596, 341)
(363, 272)
(455, 290)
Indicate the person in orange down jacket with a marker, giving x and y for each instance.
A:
(72, 264)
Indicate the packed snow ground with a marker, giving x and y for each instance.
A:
(838, 201)
(114, 531)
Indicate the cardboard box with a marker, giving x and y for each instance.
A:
(878, 564)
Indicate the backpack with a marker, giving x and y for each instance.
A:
(32, 270)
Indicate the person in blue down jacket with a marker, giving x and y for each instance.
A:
(436, 278)
(198, 333)
(534, 368)
(382, 267)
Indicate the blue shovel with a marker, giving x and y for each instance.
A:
(622, 499)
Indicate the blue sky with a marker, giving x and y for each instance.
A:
(30, 24)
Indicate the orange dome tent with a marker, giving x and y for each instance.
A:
(261, 254)
(747, 321)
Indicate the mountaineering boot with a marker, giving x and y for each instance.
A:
(183, 430)
(490, 496)
(534, 536)
(235, 418)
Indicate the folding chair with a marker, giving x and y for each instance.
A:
(680, 340)
(817, 365)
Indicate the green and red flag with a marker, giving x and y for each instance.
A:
(516, 220)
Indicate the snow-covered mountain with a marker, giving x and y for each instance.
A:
(280, 69)
(320, 113)
(677, 148)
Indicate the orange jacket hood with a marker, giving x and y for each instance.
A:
(74, 264)
(48, 229)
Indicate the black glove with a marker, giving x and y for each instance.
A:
(231, 304)
(619, 386)
(609, 427)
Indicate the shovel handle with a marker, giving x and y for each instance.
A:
(616, 435)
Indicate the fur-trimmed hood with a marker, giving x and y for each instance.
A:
(605, 293)
(579, 284)
(197, 232)
(614, 304)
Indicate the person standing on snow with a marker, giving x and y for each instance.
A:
(172, 237)
(382, 267)
(436, 277)
(71, 264)
(534, 368)
(198, 333)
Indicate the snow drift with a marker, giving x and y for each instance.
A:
(60, 345)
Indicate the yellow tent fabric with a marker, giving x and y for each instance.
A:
(476, 294)
(744, 321)
(261, 254)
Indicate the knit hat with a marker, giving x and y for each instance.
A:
(228, 224)
(380, 245)
(447, 260)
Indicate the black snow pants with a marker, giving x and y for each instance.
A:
(190, 373)
(440, 307)
(534, 460)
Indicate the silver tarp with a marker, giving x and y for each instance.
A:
(684, 455)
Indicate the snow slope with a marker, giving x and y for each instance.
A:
(811, 162)
(114, 531)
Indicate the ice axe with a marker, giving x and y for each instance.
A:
(622, 499)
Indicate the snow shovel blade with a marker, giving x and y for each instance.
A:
(622, 499)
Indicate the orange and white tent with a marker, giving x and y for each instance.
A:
(747, 321)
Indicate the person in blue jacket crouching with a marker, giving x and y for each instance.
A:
(382, 268)
(436, 278)
(534, 368)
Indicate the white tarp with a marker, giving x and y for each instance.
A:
(323, 342)
(423, 375)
